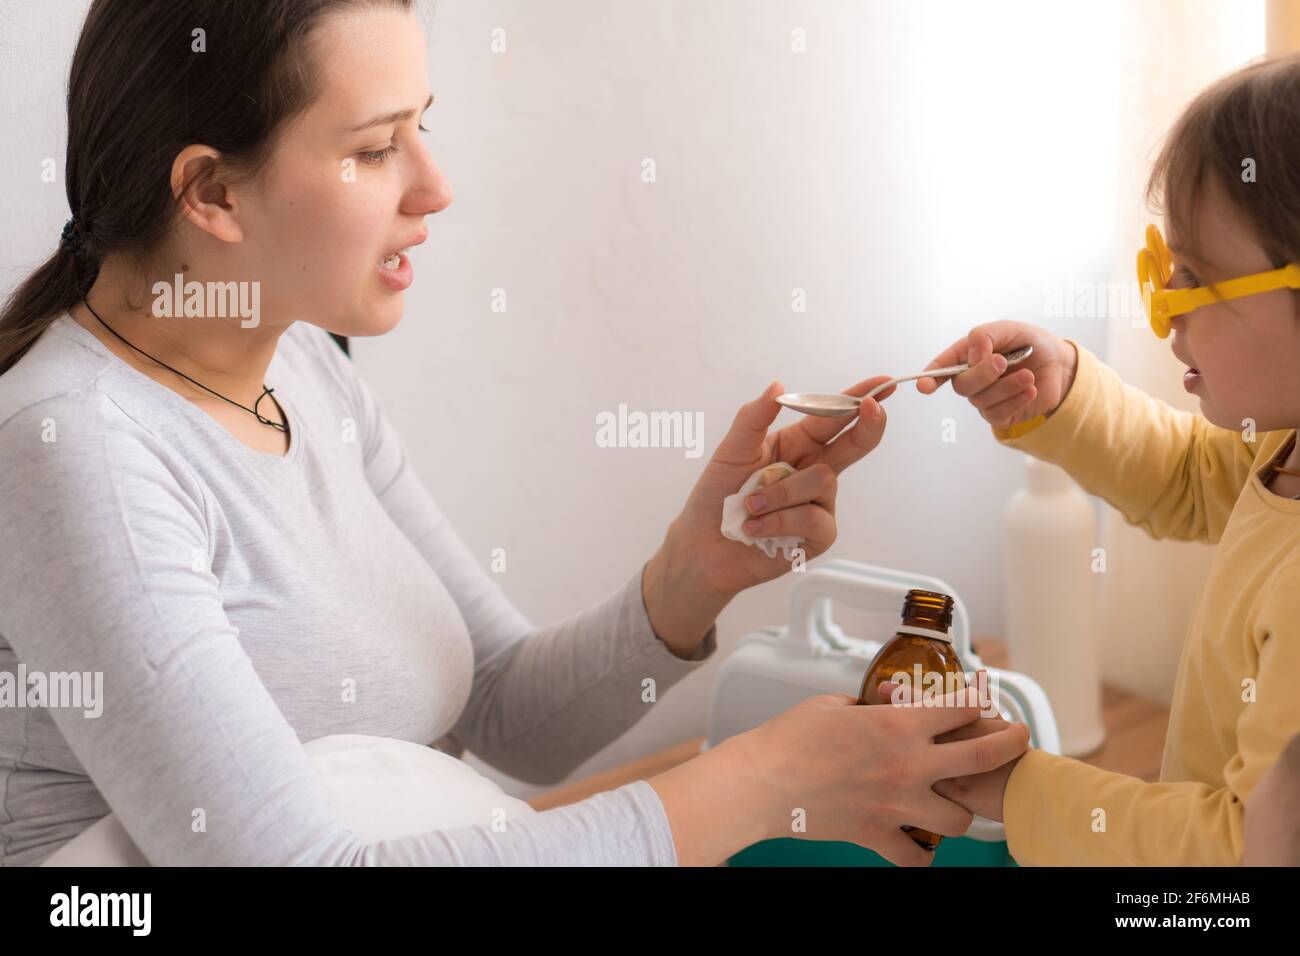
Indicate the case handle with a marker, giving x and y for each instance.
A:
(865, 587)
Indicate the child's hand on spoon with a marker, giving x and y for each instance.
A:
(1036, 388)
(836, 405)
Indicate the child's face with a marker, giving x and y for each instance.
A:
(1246, 350)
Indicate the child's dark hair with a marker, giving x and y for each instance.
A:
(1242, 134)
(140, 91)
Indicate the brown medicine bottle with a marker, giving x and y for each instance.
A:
(922, 647)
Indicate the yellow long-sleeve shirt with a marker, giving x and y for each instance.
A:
(1237, 697)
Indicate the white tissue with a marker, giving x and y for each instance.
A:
(734, 514)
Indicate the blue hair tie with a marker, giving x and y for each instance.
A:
(72, 238)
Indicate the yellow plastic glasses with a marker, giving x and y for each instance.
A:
(1155, 268)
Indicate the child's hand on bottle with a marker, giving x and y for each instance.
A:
(980, 793)
(1034, 387)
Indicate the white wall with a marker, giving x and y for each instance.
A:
(36, 44)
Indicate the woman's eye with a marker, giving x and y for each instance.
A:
(378, 157)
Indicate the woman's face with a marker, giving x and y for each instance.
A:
(1246, 350)
(336, 199)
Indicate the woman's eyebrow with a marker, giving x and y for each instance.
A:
(389, 118)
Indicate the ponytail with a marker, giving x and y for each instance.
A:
(50, 291)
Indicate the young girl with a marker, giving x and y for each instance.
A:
(1228, 175)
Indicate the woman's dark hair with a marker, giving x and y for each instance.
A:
(1242, 134)
(150, 77)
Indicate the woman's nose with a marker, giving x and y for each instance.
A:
(431, 193)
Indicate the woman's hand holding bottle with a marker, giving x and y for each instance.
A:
(830, 769)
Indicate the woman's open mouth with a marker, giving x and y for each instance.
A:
(396, 271)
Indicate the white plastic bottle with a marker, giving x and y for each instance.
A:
(1050, 599)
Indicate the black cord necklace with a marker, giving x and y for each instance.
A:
(1276, 469)
(278, 426)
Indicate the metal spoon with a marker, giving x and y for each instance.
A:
(833, 405)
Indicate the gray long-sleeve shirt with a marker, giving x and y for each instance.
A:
(239, 603)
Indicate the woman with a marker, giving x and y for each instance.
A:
(212, 511)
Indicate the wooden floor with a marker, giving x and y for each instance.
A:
(1135, 735)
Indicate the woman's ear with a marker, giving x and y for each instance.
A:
(205, 199)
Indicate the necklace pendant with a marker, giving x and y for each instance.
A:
(262, 418)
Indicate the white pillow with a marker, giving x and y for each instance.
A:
(381, 788)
